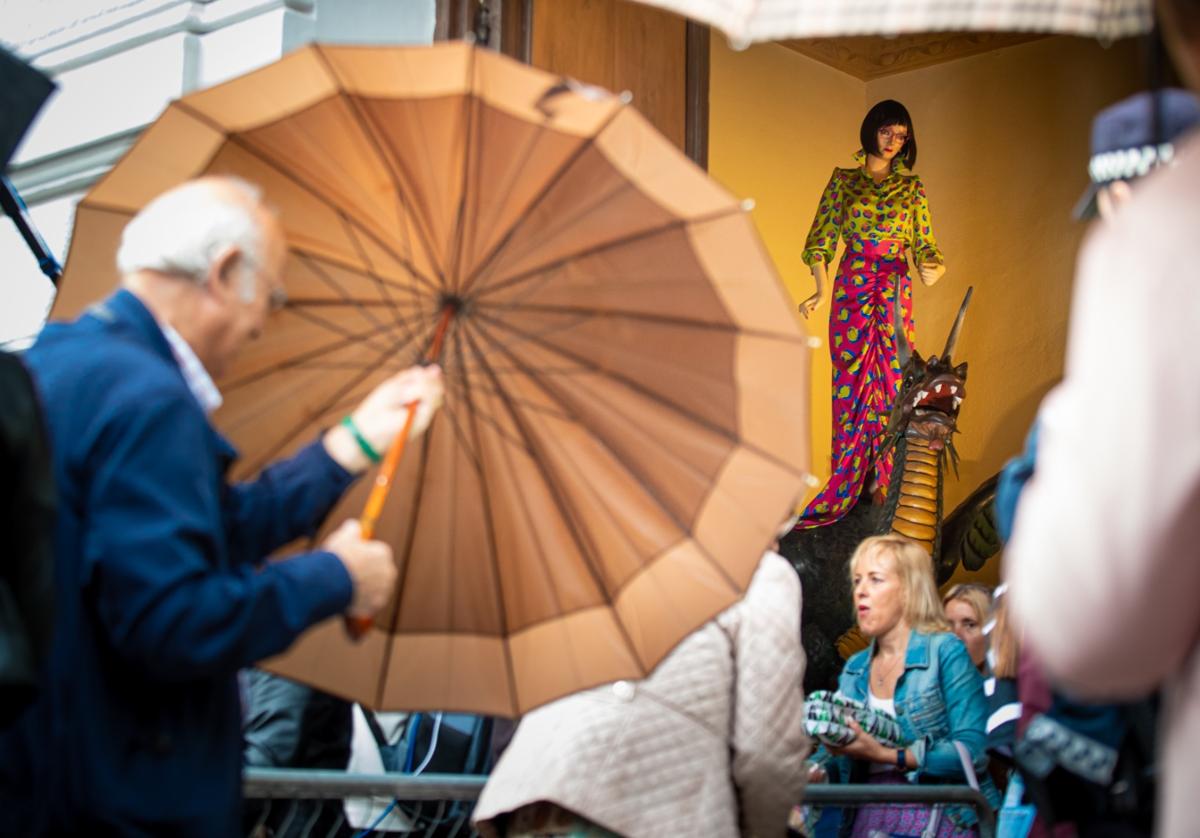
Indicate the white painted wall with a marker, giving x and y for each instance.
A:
(118, 63)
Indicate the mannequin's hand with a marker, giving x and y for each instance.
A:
(930, 272)
(812, 303)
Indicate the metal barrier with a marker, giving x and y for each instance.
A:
(283, 803)
(834, 794)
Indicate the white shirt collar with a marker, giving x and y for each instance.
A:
(197, 377)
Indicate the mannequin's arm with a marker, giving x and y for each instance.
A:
(821, 276)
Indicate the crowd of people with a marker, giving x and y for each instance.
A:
(1067, 696)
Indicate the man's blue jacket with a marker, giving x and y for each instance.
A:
(162, 592)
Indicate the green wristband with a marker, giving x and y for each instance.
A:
(372, 455)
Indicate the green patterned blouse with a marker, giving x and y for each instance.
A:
(853, 206)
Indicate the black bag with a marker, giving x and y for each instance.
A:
(27, 509)
(1122, 807)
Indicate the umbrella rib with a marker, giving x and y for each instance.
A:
(336, 407)
(452, 414)
(371, 131)
(592, 250)
(368, 121)
(455, 361)
(588, 552)
(546, 189)
(527, 405)
(324, 276)
(495, 426)
(470, 107)
(346, 365)
(654, 317)
(640, 475)
(489, 523)
(575, 219)
(354, 381)
(362, 253)
(515, 172)
(683, 529)
(522, 337)
(644, 391)
(330, 326)
(354, 302)
(532, 455)
(312, 255)
(241, 143)
(603, 507)
(413, 513)
(298, 360)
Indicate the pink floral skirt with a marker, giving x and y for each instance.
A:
(866, 371)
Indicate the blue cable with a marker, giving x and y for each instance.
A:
(414, 724)
(375, 824)
(408, 768)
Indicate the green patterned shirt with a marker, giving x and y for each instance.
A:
(853, 206)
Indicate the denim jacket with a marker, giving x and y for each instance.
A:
(939, 701)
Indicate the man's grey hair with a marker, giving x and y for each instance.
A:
(183, 231)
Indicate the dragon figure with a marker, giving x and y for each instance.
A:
(920, 432)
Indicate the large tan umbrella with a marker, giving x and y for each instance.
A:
(747, 21)
(626, 419)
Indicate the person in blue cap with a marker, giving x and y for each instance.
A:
(1129, 140)
(1102, 567)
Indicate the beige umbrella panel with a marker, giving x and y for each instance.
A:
(748, 21)
(626, 417)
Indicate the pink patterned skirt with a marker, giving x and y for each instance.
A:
(866, 371)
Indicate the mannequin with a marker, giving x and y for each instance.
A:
(879, 209)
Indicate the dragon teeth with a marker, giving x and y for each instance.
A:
(957, 401)
(937, 388)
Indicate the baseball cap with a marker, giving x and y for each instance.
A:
(1130, 138)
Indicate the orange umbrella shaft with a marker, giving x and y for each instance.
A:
(358, 626)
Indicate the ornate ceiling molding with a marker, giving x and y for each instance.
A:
(872, 57)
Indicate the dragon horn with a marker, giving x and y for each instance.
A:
(903, 351)
(953, 339)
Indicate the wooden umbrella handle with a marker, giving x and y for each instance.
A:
(357, 627)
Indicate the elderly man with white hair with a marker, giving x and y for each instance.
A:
(163, 592)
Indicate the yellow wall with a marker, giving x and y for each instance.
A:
(778, 124)
(1003, 141)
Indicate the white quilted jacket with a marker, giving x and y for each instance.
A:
(712, 743)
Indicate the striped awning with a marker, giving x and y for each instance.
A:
(768, 20)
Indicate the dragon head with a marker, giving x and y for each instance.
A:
(931, 393)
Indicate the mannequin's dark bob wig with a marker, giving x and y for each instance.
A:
(885, 113)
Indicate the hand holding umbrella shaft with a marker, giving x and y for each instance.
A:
(415, 395)
(370, 565)
(402, 405)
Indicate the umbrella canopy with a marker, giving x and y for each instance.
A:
(747, 21)
(626, 417)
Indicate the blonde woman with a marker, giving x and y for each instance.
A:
(968, 609)
(917, 671)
